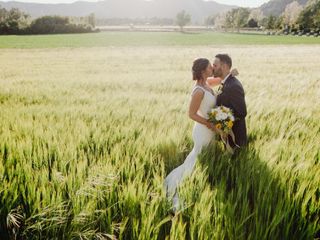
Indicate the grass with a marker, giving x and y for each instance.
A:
(116, 39)
(87, 136)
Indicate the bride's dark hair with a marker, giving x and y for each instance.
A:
(199, 65)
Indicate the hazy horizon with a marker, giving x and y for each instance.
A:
(241, 3)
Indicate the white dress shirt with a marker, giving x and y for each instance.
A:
(222, 82)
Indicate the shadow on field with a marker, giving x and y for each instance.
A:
(256, 204)
(172, 155)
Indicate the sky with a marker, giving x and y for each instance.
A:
(242, 3)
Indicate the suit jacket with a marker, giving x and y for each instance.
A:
(233, 97)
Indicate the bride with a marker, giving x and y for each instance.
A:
(203, 100)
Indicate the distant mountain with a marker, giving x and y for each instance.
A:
(199, 9)
(277, 7)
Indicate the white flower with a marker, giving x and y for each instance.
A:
(219, 117)
(224, 116)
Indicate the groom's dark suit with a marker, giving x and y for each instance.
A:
(232, 96)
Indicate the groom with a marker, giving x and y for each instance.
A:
(231, 96)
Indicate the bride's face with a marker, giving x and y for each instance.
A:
(207, 72)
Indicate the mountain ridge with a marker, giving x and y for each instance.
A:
(277, 7)
(198, 9)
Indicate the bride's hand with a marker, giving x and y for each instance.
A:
(210, 125)
(218, 131)
(234, 72)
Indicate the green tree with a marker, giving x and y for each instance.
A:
(291, 13)
(309, 18)
(92, 20)
(220, 21)
(210, 21)
(237, 18)
(56, 24)
(183, 19)
(279, 22)
(252, 23)
(271, 22)
(242, 18)
(13, 21)
(257, 16)
(48, 24)
(229, 19)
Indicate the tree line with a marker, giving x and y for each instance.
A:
(16, 22)
(295, 18)
(134, 21)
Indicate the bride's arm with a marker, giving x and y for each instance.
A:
(194, 106)
(215, 81)
(234, 72)
(212, 81)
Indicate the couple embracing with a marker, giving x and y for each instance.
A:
(203, 99)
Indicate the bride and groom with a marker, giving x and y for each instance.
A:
(203, 99)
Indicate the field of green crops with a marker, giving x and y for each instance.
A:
(138, 39)
(90, 125)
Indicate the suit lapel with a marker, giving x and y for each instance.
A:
(226, 83)
(222, 97)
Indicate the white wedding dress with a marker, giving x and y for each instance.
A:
(201, 137)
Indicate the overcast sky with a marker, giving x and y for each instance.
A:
(242, 3)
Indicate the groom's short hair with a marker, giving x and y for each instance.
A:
(225, 58)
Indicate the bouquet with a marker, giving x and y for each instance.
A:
(223, 119)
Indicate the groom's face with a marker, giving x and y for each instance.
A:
(217, 68)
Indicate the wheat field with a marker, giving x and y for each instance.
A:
(88, 134)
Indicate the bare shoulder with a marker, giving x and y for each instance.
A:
(196, 98)
(197, 92)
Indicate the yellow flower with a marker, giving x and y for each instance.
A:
(219, 126)
(230, 124)
(213, 114)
